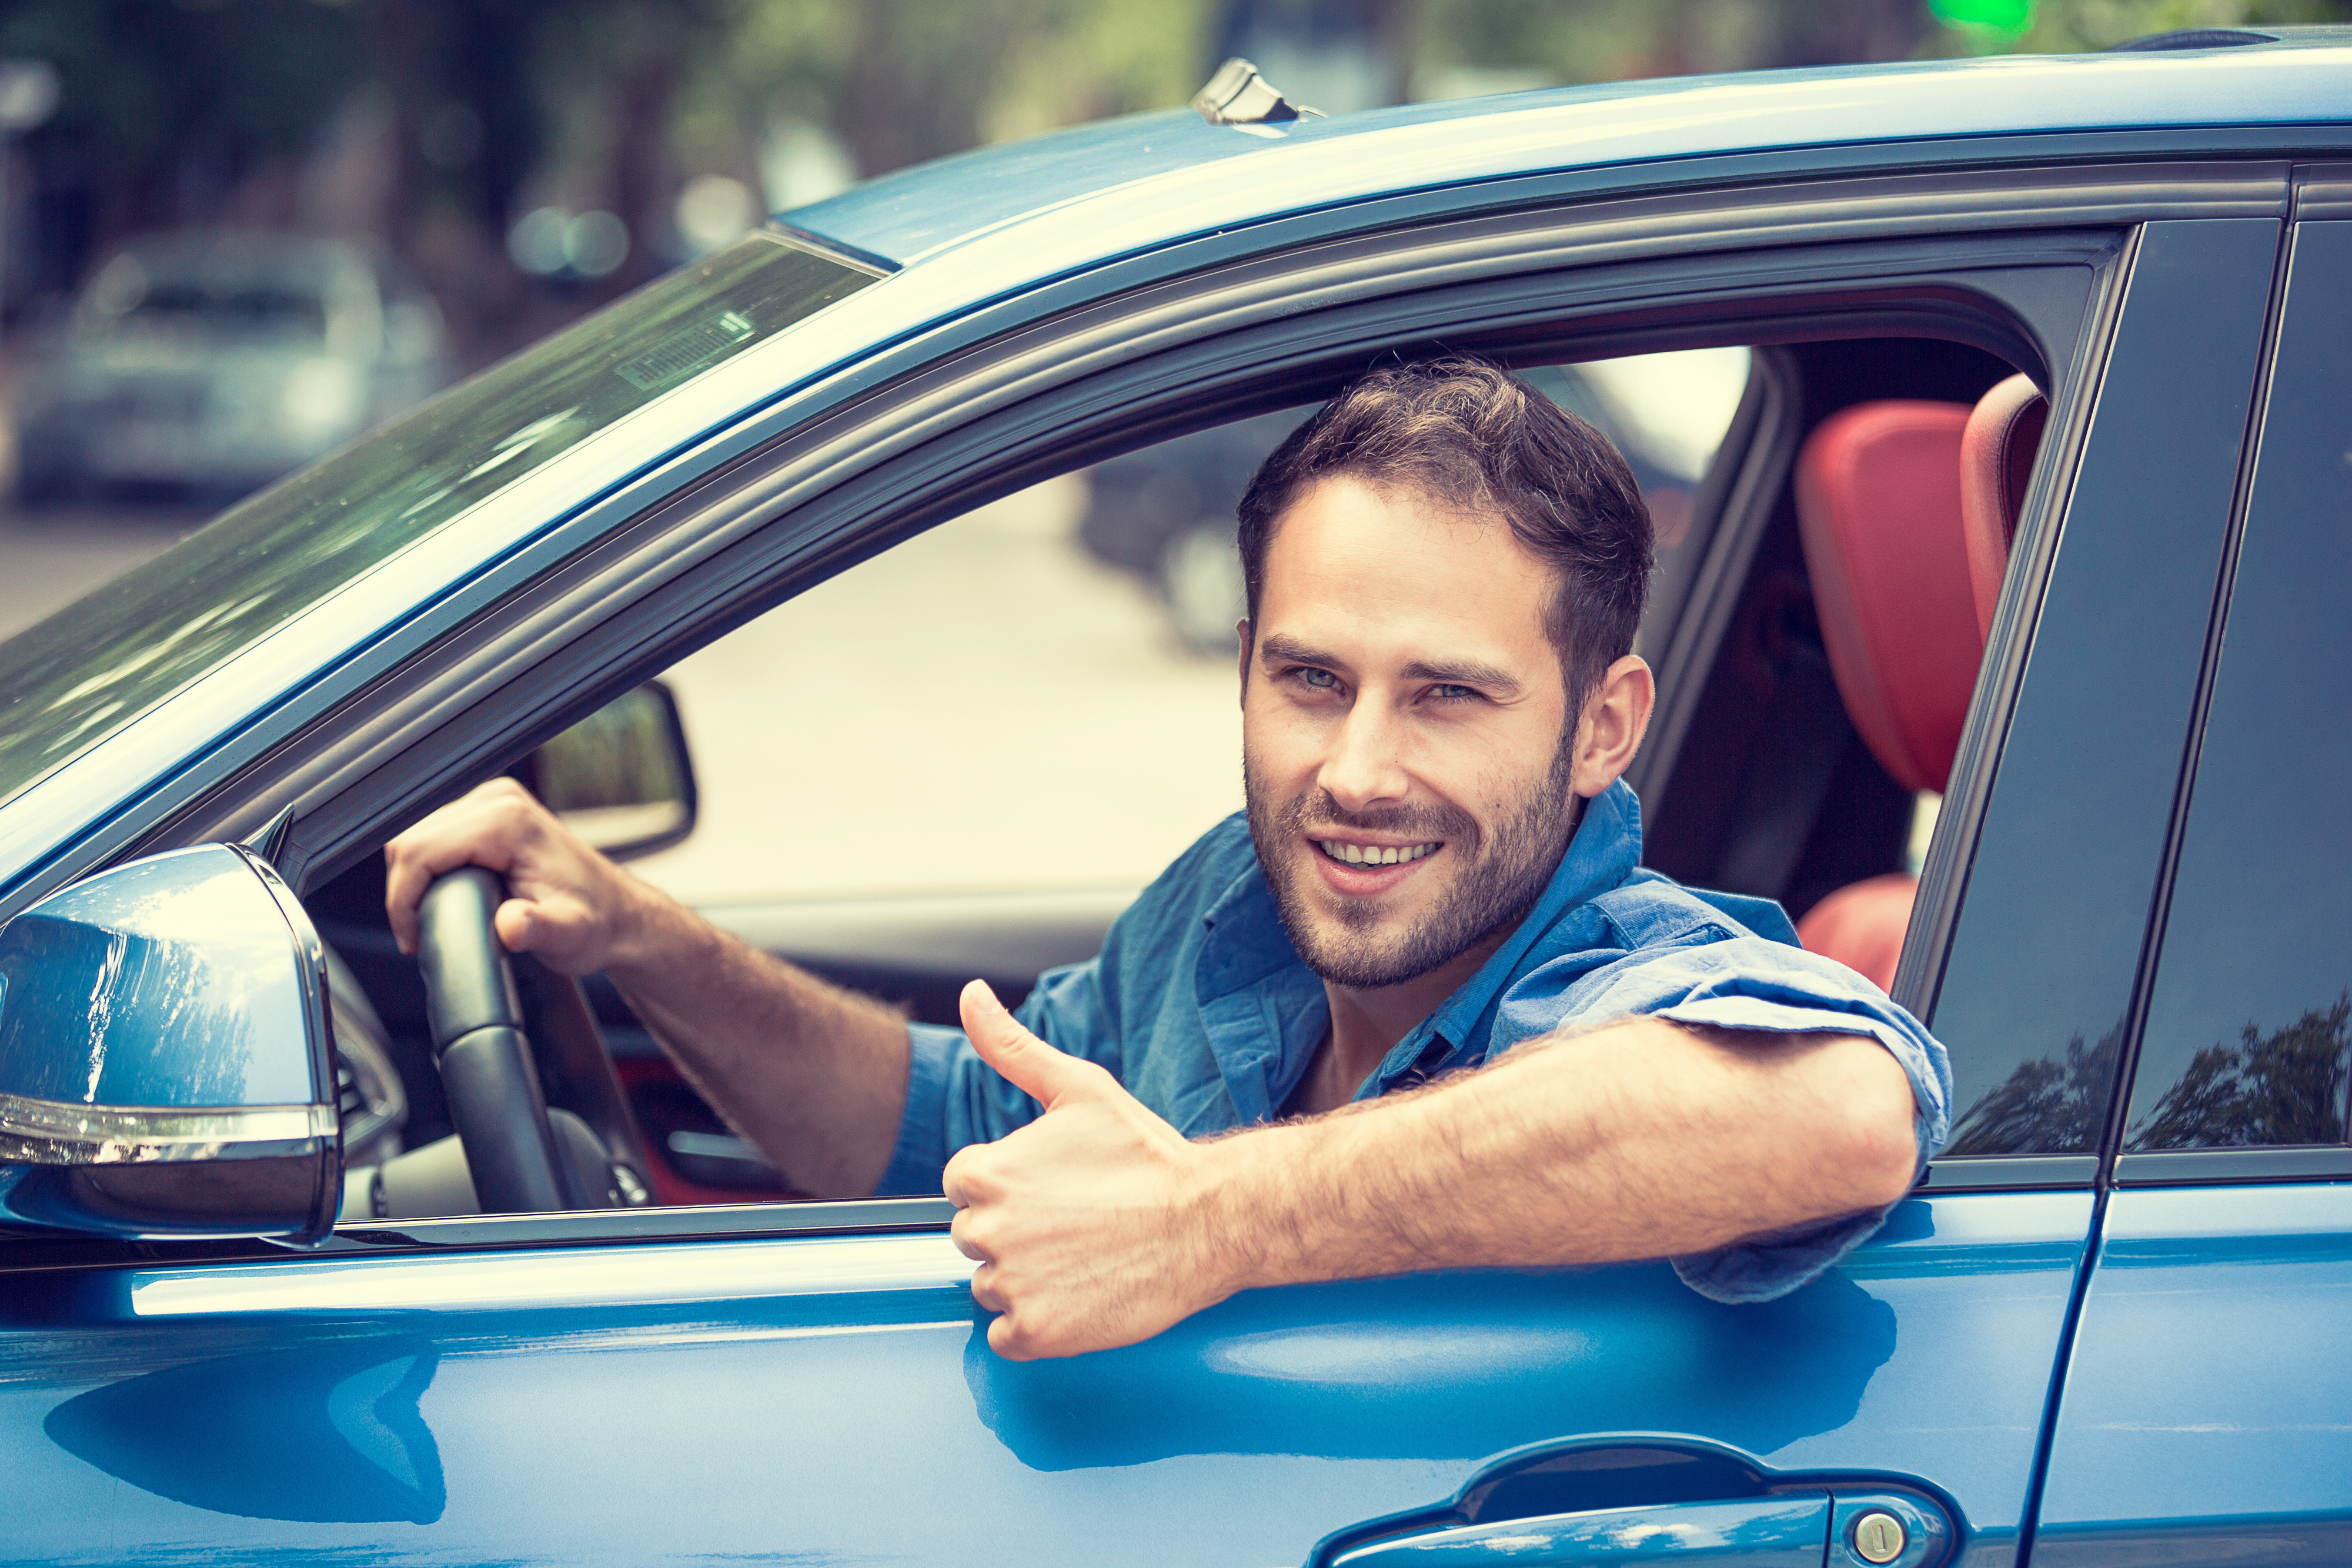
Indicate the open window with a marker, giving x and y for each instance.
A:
(858, 733)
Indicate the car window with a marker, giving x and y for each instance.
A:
(85, 672)
(1040, 695)
(2247, 1041)
(2035, 997)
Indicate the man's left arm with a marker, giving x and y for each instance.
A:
(1098, 1225)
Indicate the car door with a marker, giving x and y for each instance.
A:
(2204, 1410)
(812, 1380)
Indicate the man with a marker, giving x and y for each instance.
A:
(1417, 1008)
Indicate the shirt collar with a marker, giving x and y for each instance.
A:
(1605, 851)
(1247, 944)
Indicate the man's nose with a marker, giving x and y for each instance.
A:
(1365, 767)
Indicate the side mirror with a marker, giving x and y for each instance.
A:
(621, 777)
(165, 1066)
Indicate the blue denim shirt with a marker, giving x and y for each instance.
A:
(1201, 1008)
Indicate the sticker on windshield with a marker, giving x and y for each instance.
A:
(679, 357)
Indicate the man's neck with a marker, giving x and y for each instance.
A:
(1368, 1021)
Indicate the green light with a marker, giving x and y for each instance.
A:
(2009, 16)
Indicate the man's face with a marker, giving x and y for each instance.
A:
(1406, 742)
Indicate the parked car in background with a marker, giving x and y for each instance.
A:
(2034, 502)
(210, 362)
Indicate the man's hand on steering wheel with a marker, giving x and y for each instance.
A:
(566, 903)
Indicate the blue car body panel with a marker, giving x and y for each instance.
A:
(833, 1400)
(2208, 1409)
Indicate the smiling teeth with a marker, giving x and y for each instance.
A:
(1374, 855)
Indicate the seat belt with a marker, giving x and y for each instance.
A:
(1807, 735)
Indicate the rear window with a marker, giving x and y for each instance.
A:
(91, 668)
(234, 311)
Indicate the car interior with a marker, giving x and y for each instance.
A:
(1865, 491)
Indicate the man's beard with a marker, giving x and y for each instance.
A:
(1497, 884)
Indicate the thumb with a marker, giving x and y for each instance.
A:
(1026, 1062)
(517, 925)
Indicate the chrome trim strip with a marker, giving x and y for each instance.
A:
(58, 1132)
(679, 1272)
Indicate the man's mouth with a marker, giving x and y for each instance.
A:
(1348, 853)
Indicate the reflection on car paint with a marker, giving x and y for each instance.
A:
(329, 1433)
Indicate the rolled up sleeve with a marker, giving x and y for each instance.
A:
(1744, 982)
(1785, 991)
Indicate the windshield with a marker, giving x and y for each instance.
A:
(92, 667)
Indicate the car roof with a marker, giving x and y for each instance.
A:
(899, 219)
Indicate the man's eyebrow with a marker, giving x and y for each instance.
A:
(1290, 650)
(1463, 672)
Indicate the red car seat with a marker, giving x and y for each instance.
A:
(1996, 459)
(1878, 507)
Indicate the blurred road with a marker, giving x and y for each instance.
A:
(984, 709)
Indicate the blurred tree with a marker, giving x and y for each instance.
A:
(900, 81)
(2050, 26)
(167, 110)
(437, 124)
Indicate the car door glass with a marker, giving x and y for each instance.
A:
(2035, 995)
(2247, 1041)
(1039, 696)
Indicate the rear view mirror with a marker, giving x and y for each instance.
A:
(164, 1067)
(621, 777)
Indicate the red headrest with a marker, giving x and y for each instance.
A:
(1879, 502)
(1996, 459)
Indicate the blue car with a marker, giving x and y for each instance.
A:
(2002, 636)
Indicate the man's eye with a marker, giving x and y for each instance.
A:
(1445, 693)
(1321, 680)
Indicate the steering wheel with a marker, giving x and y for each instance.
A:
(523, 1158)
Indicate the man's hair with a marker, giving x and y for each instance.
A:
(1466, 433)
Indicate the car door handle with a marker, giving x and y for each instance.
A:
(1785, 1532)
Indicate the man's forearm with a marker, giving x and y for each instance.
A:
(814, 1075)
(1641, 1140)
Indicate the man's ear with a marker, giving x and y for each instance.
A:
(1242, 628)
(1615, 719)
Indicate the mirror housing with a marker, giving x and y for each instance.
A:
(622, 778)
(165, 1056)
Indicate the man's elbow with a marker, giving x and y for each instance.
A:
(1877, 1150)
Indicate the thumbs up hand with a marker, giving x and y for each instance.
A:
(1091, 1225)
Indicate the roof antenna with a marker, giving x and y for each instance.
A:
(271, 837)
(1238, 95)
